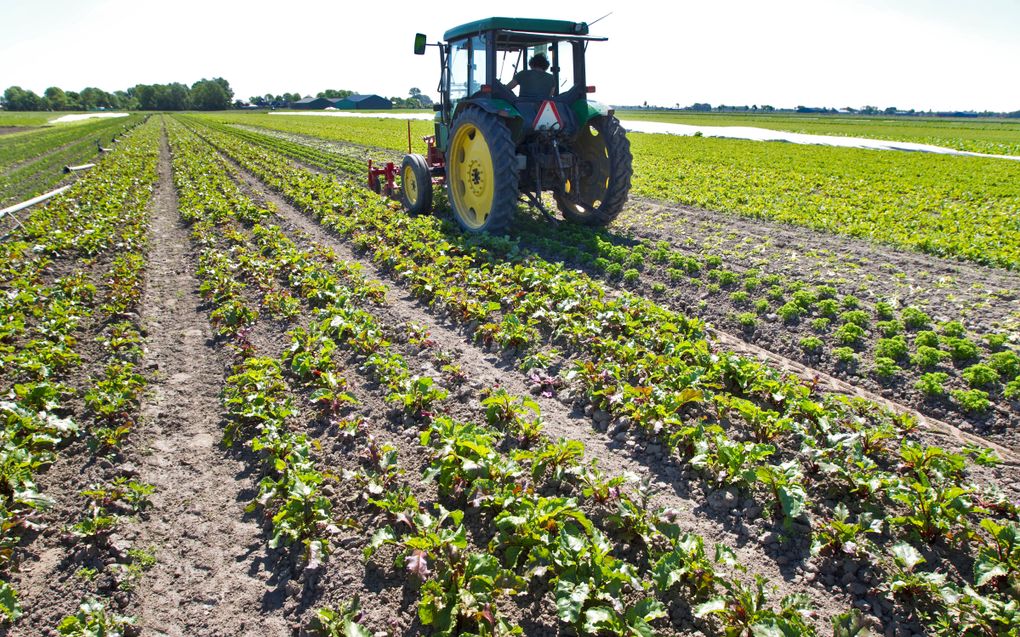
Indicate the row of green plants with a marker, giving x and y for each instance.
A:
(96, 234)
(255, 394)
(723, 414)
(34, 143)
(941, 365)
(591, 584)
(303, 152)
(28, 169)
(893, 342)
(984, 371)
(962, 207)
(111, 405)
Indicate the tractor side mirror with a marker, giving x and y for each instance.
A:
(419, 44)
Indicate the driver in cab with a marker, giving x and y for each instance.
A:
(536, 83)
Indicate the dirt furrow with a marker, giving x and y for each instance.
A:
(212, 576)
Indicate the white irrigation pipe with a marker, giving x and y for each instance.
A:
(32, 202)
(71, 169)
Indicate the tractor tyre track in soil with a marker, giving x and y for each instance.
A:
(212, 574)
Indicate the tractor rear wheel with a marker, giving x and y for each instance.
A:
(604, 152)
(481, 172)
(416, 185)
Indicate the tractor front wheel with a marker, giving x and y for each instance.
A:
(416, 185)
(600, 193)
(481, 172)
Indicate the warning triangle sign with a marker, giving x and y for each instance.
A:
(548, 117)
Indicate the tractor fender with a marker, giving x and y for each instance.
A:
(498, 107)
(587, 110)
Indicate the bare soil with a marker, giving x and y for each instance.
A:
(213, 574)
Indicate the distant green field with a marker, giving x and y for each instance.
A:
(32, 161)
(27, 119)
(946, 205)
(993, 136)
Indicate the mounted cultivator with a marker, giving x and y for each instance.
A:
(493, 148)
(418, 174)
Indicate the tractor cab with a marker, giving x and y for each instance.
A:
(513, 121)
(482, 59)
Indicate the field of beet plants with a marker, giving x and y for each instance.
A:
(241, 394)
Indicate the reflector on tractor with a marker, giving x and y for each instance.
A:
(494, 147)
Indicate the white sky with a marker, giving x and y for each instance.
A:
(938, 54)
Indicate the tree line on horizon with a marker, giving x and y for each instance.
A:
(203, 95)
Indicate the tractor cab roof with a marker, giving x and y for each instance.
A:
(526, 28)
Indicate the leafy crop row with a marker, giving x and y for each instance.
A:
(32, 163)
(552, 538)
(997, 137)
(854, 335)
(740, 423)
(102, 218)
(982, 378)
(949, 206)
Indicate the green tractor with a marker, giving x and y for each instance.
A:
(493, 147)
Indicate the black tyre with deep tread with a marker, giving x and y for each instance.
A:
(416, 177)
(504, 175)
(608, 161)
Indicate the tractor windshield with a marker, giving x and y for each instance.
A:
(467, 67)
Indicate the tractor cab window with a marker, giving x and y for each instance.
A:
(467, 67)
(563, 66)
(513, 60)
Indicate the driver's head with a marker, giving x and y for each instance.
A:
(539, 62)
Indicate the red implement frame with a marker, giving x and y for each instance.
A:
(383, 180)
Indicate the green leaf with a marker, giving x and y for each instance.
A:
(715, 605)
(354, 629)
(792, 500)
(570, 599)
(647, 609)
(572, 538)
(9, 607)
(987, 568)
(380, 537)
(907, 556)
(726, 556)
(770, 628)
(599, 618)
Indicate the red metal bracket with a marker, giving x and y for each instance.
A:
(388, 184)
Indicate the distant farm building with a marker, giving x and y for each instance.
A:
(359, 102)
(353, 102)
(312, 103)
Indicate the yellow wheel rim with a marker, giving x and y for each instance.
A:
(471, 170)
(410, 185)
